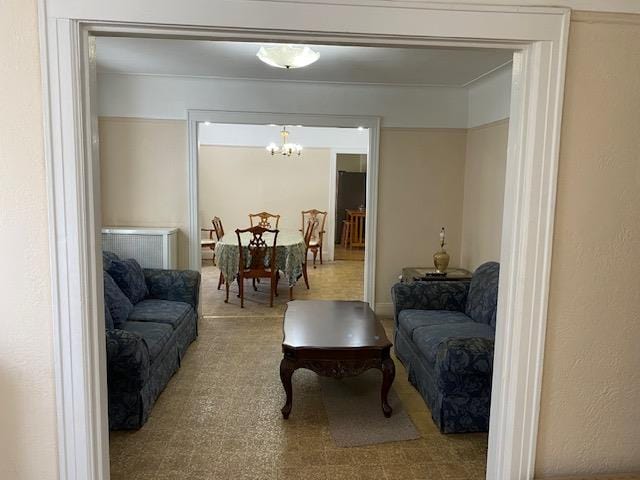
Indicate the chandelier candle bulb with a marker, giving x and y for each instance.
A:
(285, 147)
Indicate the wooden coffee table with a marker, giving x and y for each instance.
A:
(334, 339)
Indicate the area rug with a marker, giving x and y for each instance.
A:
(355, 415)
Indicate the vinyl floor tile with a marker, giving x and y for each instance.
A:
(219, 416)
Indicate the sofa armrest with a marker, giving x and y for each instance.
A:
(127, 361)
(466, 356)
(174, 285)
(440, 295)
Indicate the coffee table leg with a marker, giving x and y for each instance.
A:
(388, 375)
(287, 367)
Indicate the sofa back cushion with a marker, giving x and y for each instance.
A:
(482, 298)
(107, 258)
(129, 276)
(116, 302)
(108, 319)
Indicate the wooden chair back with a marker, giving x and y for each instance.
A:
(308, 234)
(258, 251)
(357, 227)
(264, 220)
(217, 227)
(317, 219)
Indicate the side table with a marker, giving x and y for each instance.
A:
(429, 274)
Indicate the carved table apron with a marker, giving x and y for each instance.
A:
(334, 339)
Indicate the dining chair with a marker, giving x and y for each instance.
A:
(207, 241)
(217, 226)
(219, 231)
(257, 261)
(317, 219)
(307, 238)
(346, 233)
(357, 220)
(264, 219)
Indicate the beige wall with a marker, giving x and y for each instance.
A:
(351, 162)
(419, 169)
(590, 397)
(590, 412)
(234, 181)
(27, 399)
(420, 190)
(143, 167)
(485, 162)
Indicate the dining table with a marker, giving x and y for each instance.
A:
(290, 251)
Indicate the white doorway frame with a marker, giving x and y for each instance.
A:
(333, 190)
(195, 117)
(538, 34)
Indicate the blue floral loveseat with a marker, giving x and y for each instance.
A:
(150, 320)
(444, 335)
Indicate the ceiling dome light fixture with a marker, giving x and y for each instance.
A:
(287, 56)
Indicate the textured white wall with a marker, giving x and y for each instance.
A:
(490, 98)
(152, 96)
(27, 398)
(484, 172)
(590, 415)
(171, 97)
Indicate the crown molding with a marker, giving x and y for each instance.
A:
(610, 6)
(309, 82)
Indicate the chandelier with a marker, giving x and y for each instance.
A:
(287, 56)
(285, 148)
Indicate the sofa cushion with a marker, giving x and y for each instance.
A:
(129, 276)
(482, 299)
(108, 319)
(429, 339)
(107, 258)
(116, 301)
(464, 356)
(155, 335)
(160, 311)
(409, 320)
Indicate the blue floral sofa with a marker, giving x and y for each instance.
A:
(151, 317)
(444, 336)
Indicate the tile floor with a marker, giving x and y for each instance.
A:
(342, 253)
(219, 417)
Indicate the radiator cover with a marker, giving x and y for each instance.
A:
(151, 247)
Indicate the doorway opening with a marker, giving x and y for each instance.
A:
(238, 174)
(533, 143)
(351, 203)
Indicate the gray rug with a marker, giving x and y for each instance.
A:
(355, 415)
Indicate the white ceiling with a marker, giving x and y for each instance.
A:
(337, 64)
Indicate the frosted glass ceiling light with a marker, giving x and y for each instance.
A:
(287, 56)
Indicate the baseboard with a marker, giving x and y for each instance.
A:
(384, 309)
(619, 476)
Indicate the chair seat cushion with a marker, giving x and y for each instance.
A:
(155, 335)
(314, 242)
(207, 242)
(410, 320)
(160, 311)
(429, 339)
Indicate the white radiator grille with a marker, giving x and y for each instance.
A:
(151, 247)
